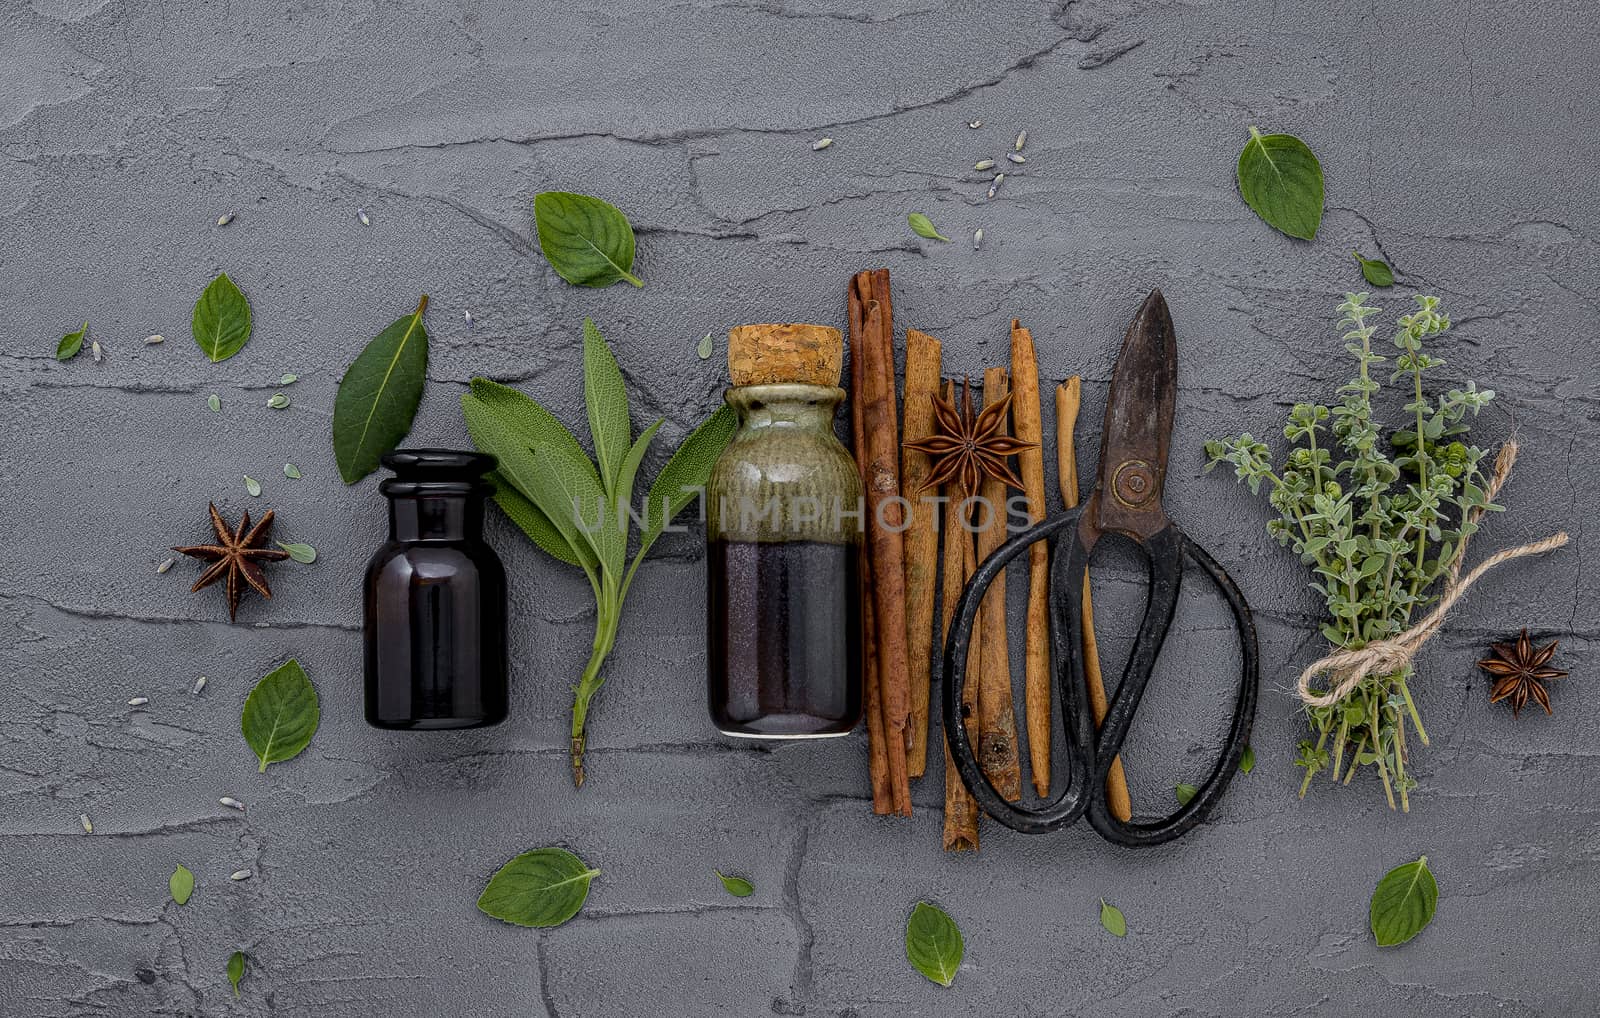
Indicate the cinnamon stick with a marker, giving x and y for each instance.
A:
(1068, 397)
(921, 538)
(877, 752)
(997, 719)
(960, 809)
(872, 337)
(1028, 418)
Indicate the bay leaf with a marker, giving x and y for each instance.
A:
(71, 343)
(379, 394)
(236, 970)
(933, 943)
(739, 887)
(540, 888)
(181, 884)
(922, 226)
(587, 241)
(1112, 919)
(1403, 903)
(281, 714)
(221, 323)
(1375, 270)
(1281, 180)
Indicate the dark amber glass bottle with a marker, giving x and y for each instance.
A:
(435, 619)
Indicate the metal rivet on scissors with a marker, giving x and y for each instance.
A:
(1126, 502)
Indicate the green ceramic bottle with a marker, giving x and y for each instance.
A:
(783, 519)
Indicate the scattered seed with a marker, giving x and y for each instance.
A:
(239, 875)
(289, 378)
(820, 144)
(199, 684)
(290, 470)
(138, 701)
(983, 164)
(706, 347)
(225, 219)
(278, 401)
(361, 214)
(999, 178)
(232, 803)
(1019, 160)
(977, 238)
(164, 566)
(1022, 139)
(974, 124)
(215, 403)
(153, 340)
(253, 486)
(88, 826)
(94, 348)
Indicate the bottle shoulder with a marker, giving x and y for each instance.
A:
(435, 560)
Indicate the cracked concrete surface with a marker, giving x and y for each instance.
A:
(1458, 141)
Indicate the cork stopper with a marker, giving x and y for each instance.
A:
(775, 354)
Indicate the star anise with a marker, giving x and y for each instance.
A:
(1520, 672)
(236, 555)
(966, 449)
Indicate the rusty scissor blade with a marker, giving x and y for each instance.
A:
(1138, 428)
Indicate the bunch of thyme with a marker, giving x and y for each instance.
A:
(1378, 517)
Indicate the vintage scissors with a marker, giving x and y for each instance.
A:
(1126, 502)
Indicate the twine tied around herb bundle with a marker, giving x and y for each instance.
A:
(1349, 667)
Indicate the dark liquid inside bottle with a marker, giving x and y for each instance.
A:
(435, 604)
(785, 638)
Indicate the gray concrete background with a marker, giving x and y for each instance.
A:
(1459, 140)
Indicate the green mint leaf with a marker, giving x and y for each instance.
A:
(1184, 794)
(281, 714)
(71, 343)
(1282, 181)
(221, 321)
(236, 970)
(181, 884)
(302, 553)
(606, 398)
(739, 887)
(1111, 918)
(1403, 903)
(922, 226)
(378, 395)
(542, 887)
(704, 350)
(1247, 762)
(1375, 271)
(933, 943)
(587, 241)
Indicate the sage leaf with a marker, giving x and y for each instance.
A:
(933, 943)
(253, 486)
(290, 470)
(542, 887)
(236, 971)
(739, 887)
(71, 343)
(606, 398)
(922, 226)
(181, 884)
(1111, 918)
(1184, 794)
(215, 403)
(587, 241)
(302, 553)
(378, 395)
(706, 347)
(1403, 903)
(280, 714)
(1282, 181)
(221, 322)
(1247, 762)
(1375, 271)
(685, 474)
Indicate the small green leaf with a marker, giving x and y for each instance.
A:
(281, 714)
(181, 884)
(303, 553)
(221, 322)
(71, 343)
(253, 486)
(1184, 794)
(289, 378)
(1111, 918)
(739, 887)
(1403, 903)
(933, 943)
(587, 241)
(378, 395)
(606, 398)
(215, 403)
(704, 350)
(686, 473)
(290, 470)
(541, 887)
(922, 226)
(1281, 180)
(278, 401)
(236, 971)
(1375, 271)
(1247, 762)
